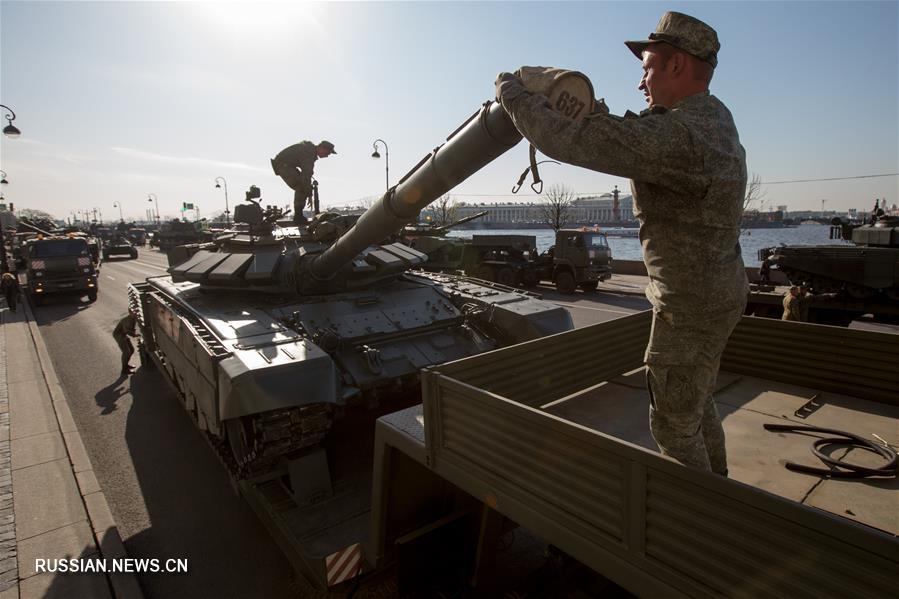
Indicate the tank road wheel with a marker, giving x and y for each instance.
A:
(565, 282)
(240, 438)
(505, 276)
(589, 286)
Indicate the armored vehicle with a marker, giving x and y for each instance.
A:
(580, 258)
(177, 233)
(119, 246)
(59, 265)
(867, 269)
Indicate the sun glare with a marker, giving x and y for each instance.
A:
(260, 18)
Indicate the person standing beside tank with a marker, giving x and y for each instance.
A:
(295, 165)
(688, 179)
(121, 333)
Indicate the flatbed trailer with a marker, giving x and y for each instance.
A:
(553, 435)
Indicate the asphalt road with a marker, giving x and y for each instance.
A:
(169, 494)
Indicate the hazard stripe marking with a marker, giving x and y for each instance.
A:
(344, 564)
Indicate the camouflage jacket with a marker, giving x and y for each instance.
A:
(688, 179)
(302, 155)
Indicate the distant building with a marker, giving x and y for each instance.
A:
(586, 210)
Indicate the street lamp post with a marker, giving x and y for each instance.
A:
(119, 206)
(386, 159)
(152, 198)
(224, 185)
(10, 130)
(3, 260)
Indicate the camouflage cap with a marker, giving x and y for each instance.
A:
(684, 32)
(328, 146)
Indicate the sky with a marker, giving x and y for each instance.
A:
(118, 100)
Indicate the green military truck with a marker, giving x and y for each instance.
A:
(59, 265)
(580, 258)
(504, 259)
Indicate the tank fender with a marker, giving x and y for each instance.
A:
(276, 376)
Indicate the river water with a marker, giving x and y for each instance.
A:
(628, 248)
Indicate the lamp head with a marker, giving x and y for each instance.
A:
(375, 154)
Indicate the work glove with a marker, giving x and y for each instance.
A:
(539, 80)
(508, 87)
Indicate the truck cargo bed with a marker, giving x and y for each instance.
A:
(553, 434)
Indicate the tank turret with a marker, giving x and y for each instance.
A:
(865, 269)
(277, 333)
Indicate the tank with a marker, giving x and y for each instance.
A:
(177, 233)
(868, 268)
(282, 339)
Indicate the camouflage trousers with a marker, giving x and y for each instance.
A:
(127, 349)
(682, 361)
(301, 186)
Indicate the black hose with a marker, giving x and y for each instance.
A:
(838, 468)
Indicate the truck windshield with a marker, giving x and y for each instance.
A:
(59, 247)
(597, 241)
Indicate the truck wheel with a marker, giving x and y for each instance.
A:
(105, 256)
(530, 279)
(589, 286)
(505, 276)
(38, 300)
(92, 296)
(565, 282)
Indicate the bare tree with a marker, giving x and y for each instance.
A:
(752, 200)
(556, 207)
(443, 210)
(754, 193)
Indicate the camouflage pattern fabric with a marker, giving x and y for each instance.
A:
(300, 156)
(688, 177)
(682, 361)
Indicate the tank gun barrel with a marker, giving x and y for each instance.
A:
(485, 136)
(464, 220)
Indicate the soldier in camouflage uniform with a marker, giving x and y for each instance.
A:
(300, 156)
(688, 179)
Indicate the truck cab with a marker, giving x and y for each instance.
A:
(59, 265)
(580, 258)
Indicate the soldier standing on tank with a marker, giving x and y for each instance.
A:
(123, 330)
(295, 164)
(688, 180)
